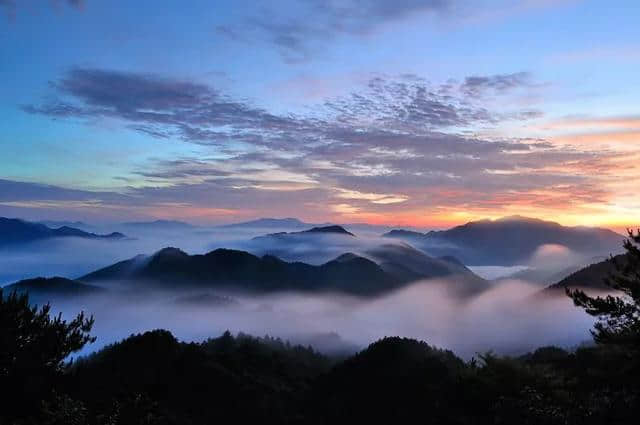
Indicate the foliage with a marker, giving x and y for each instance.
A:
(619, 314)
(34, 347)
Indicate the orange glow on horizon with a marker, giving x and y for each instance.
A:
(438, 220)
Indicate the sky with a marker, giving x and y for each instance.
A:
(426, 113)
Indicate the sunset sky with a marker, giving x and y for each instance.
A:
(424, 113)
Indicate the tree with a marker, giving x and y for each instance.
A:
(33, 349)
(619, 316)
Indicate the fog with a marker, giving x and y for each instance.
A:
(72, 257)
(315, 248)
(509, 318)
(496, 272)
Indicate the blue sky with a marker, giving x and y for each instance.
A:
(415, 112)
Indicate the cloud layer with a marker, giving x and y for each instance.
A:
(298, 37)
(399, 144)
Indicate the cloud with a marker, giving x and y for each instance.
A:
(158, 106)
(397, 146)
(620, 122)
(302, 30)
(376, 198)
(11, 6)
(13, 191)
(317, 21)
(170, 108)
(621, 133)
(477, 86)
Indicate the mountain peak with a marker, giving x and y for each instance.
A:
(170, 252)
(520, 218)
(15, 231)
(346, 257)
(267, 222)
(329, 229)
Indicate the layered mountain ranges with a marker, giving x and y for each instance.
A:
(510, 241)
(384, 269)
(14, 231)
(344, 262)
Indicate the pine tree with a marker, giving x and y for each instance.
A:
(33, 350)
(619, 315)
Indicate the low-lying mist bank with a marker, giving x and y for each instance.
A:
(509, 318)
(72, 257)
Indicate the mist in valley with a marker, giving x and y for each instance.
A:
(73, 257)
(510, 318)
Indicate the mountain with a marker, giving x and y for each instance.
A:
(376, 271)
(225, 268)
(16, 231)
(404, 261)
(316, 245)
(266, 223)
(591, 277)
(398, 259)
(159, 225)
(51, 287)
(327, 230)
(58, 223)
(509, 241)
(291, 223)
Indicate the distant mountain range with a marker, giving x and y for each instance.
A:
(396, 258)
(171, 268)
(376, 270)
(314, 245)
(509, 241)
(362, 266)
(61, 223)
(159, 225)
(327, 230)
(290, 223)
(16, 231)
(268, 223)
(53, 286)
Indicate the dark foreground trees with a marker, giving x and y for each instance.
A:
(619, 314)
(33, 348)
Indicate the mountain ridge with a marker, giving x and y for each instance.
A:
(17, 231)
(52, 286)
(508, 241)
(241, 270)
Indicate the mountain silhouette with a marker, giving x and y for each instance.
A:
(509, 241)
(16, 231)
(402, 260)
(590, 277)
(42, 289)
(398, 259)
(172, 268)
(159, 225)
(319, 230)
(265, 223)
(329, 229)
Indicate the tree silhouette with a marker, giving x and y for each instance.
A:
(34, 347)
(619, 316)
